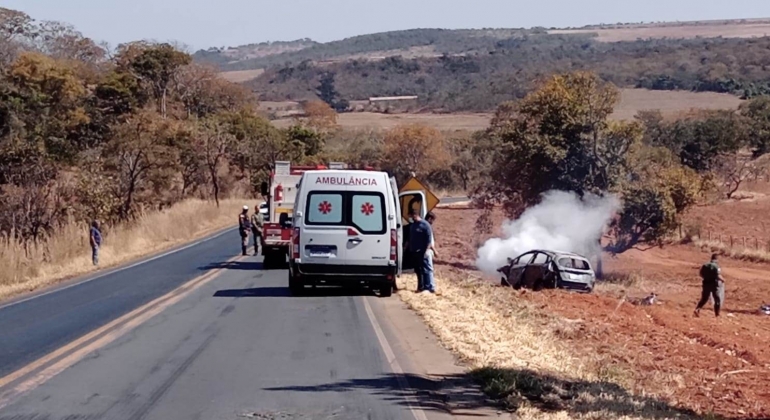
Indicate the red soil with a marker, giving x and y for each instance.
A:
(705, 364)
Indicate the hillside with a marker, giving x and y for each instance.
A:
(474, 70)
(480, 81)
(438, 41)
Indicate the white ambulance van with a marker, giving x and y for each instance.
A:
(347, 231)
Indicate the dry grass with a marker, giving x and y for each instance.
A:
(68, 253)
(527, 358)
(737, 252)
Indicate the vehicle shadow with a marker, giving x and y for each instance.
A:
(510, 389)
(446, 393)
(284, 292)
(233, 265)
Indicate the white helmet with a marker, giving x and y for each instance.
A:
(245, 207)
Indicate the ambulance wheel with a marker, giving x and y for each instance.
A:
(386, 290)
(295, 286)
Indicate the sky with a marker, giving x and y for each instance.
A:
(207, 23)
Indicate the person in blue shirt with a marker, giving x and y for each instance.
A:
(420, 243)
(96, 241)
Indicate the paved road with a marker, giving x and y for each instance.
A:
(237, 346)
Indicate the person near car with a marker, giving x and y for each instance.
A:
(430, 218)
(95, 239)
(713, 285)
(420, 242)
(257, 220)
(244, 228)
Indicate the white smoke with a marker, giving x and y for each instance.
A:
(561, 222)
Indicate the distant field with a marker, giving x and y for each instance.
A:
(670, 102)
(631, 102)
(444, 122)
(241, 75)
(731, 29)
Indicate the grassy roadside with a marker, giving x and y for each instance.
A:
(526, 358)
(67, 254)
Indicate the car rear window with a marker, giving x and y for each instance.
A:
(367, 213)
(324, 208)
(574, 263)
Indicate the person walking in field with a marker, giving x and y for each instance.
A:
(95, 239)
(257, 222)
(244, 227)
(713, 285)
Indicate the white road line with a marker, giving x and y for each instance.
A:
(403, 383)
(116, 270)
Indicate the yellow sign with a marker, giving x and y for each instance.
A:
(415, 201)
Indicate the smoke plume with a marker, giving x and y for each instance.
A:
(561, 222)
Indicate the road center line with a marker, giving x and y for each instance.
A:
(73, 352)
(403, 383)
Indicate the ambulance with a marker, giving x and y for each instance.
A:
(347, 230)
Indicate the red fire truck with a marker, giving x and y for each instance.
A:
(280, 193)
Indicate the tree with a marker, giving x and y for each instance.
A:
(155, 66)
(203, 92)
(702, 138)
(140, 155)
(558, 138)
(757, 111)
(14, 27)
(414, 149)
(43, 107)
(319, 116)
(658, 191)
(328, 93)
(214, 141)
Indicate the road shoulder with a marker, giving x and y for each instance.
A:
(441, 384)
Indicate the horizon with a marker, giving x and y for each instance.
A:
(243, 22)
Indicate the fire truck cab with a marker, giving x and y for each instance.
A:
(280, 194)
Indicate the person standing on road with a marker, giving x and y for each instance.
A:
(95, 239)
(257, 221)
(420, 242)
(713, 285)
(244, 227)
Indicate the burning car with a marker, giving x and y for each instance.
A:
(539, 269)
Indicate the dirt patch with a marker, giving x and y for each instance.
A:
(708, 365)
(241, 75)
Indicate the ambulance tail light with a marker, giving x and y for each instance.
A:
(393, 245)
(295, 244)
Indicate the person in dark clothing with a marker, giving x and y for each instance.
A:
(420, 243)
(244, 227)
(95, 239)
(713, 285)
